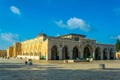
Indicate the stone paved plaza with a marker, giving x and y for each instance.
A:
(15, 69)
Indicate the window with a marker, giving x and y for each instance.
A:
(76, 38)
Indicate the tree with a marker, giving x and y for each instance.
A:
(118, 45)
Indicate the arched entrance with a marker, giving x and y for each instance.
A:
(65, 54)
(54, 54)
(97, 54)
(75, 53)
(88, 51)
(105, 54)
(111, 54)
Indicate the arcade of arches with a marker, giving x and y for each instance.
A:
(97, 54)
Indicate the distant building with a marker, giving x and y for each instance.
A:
(3, 53)
(69, 46)
(117, 55)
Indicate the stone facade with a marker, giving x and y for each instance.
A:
(10, 51)
(70, 46)
(3, 53)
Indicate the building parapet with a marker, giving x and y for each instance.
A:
(105, 44)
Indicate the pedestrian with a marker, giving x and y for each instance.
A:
(26, 62)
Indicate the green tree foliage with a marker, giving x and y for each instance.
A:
(118, 45)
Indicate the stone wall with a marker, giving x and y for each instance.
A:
(105, 51)
(3, 53)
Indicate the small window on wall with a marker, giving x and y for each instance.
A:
(76, 38)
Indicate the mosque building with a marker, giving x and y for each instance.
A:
(68, 46)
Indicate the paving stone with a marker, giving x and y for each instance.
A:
(15, 69)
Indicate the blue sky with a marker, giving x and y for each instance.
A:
(24, 19)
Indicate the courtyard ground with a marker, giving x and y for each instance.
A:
(15, 69)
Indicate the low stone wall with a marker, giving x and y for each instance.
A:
(28, 57)
(71, 61)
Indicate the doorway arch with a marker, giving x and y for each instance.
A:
(65, 54)
(105, 54)
(75, 53)
(97, 53)
(111, 54)
(87, 51)
(54, 53)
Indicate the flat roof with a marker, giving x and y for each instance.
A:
(72, 34)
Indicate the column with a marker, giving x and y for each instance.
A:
(108, 55)
(60, 53)
(93, 55)
(49, 55)
(81, 54)
(114, 54)
(101, 55)
(70, 54)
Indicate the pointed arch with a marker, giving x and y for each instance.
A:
(65, 54)
(87, 51)
(54, 53)
(97, 53)
(105, 54)
(75, 53)
(111, 54)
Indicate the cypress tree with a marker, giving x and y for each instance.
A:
(118, 45)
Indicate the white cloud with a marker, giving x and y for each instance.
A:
(10, 37)
(118, 37)
(15, 10)
(115, 37)
(74, 23)
(60, 23)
